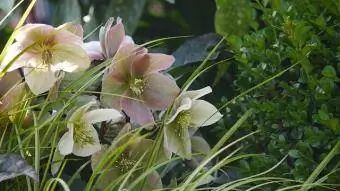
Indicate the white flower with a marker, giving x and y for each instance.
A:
(82, 138)
(189, 112)
(47, 50)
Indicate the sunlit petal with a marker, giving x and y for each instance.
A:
(69, 58)
(66, 143)
(99, 115)
(203, 113)
(39, 80)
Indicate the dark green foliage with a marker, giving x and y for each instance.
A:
(297, 113)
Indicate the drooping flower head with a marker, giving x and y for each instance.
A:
(47, 50)
(135, 155)
(82, 139)
(188, 112)
(135, 74)
(110, 38)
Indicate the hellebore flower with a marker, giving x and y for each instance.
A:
(135, 75)
(46, 50)
(82, 138)
(110, 39)
(134, 156)
(189, 112)
(12, 91)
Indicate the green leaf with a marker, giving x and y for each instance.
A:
(329, 71)
(234, 17)
(13, 165)
(294, 153)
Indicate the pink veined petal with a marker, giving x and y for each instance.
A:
(67, 37)
(76, 29)
(112, 83)
(123, 59)
(151, 63)
(14, 50)
(39, 80)
(93, 50)
(30, 33)
(159, 91)
(69, 58)
(103, 34)
(137, 111)
(114, 38)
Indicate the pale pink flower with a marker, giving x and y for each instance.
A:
(47, 50)
(135, 75)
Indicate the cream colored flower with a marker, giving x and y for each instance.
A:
(47, 50)
(82, 138)
(189, 112)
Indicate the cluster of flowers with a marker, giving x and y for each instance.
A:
(133, 85)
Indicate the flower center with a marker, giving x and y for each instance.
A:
(47, 57)
(137, 86)
(124, 163)
(81, 135)
(182, 122)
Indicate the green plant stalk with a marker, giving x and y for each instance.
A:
(307, 184)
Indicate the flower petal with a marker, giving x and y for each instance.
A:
(203, 113)
(184, 105)
(14, 50)
(56, 161)
(93, 50)
(76, 29)
(66, 143)
(99, 115)
(160, 91)
(112, 83)
(123, 59)
(195, 94)
(114, 38)
(200, 145)
(137, 111)
(84, 150)
(177, 140)
(69, 58)
(68, 37)
(39, 80)
(151, 63)
(30, 33)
